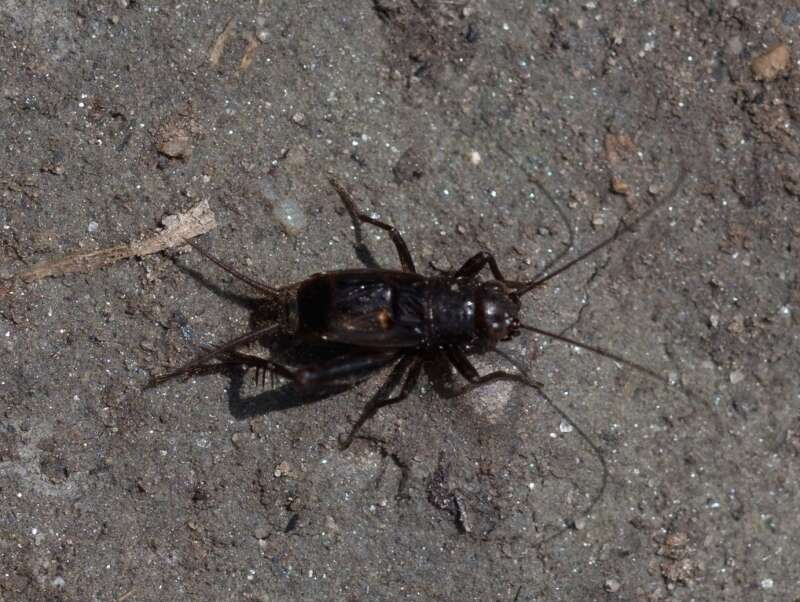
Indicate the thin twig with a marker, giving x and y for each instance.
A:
(177, 230)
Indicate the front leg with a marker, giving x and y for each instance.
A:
(402, 248)
(477, 262)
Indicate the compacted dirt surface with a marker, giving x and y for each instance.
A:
(439, 117)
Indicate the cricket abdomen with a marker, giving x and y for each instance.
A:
(365, 308)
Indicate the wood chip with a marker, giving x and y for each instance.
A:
(618, 146)
(772, 63)
(218, 47)
(174, 141)
(249, 51)
(620, 186)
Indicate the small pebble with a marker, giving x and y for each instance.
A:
(620, 186)
(282, 469)
(174, 142)
(736, 325)
(288, 212)
(676, 540)
(93, 226)
(290, 215)
(618, 146)
(330, 524)
(475, 157)
(611, 586)
(791, 17)
(771, 64)
(737, 376)
(731, 136)
(299, 118)
(735, 45)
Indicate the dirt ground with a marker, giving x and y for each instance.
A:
(438, 116)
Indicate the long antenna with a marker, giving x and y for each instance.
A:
(598, 495)
(599, 351)
(212, 353)
(623, 228)
(256, 284)
(550, 199)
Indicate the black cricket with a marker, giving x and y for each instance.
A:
(373, 318)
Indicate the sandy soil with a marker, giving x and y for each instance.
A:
(437, 115)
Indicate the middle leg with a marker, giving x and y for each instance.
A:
(376, 404)
(468, 371)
